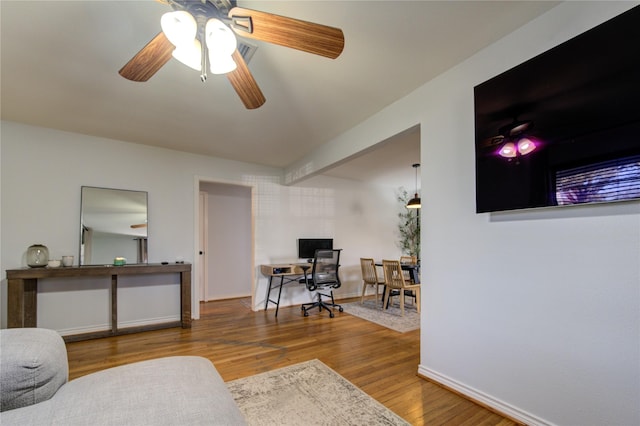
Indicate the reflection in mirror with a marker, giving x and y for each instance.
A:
(113, 223)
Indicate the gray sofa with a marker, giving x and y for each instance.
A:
(34, 388)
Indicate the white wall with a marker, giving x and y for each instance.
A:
(361, 219)
(536, 313)
(43, 170)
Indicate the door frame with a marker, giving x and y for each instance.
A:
(202, 270)
(196, 285)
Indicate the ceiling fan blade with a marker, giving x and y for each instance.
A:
(149, 59)
(492, 141)
(244, 83)
(294, 33)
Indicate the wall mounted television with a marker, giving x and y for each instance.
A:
(307, 246)
(579, 105)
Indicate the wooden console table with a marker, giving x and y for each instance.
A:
(22, 291)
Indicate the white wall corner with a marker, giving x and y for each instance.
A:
(501, 407)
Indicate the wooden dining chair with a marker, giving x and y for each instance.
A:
(409, 260)
(394, 280)
(369, 277)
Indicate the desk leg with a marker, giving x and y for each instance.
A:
(279, 293)
(266, 299)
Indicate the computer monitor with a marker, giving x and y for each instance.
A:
(307, 246)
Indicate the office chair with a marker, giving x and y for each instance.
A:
(369, 277)
(324, 277)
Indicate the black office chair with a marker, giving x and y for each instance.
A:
(324, 277)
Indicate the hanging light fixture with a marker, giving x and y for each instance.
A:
(415, 202)
(189, 54)
(523, 146)
(179, 26)
(516, 143)
(182, 29)
(221, 42)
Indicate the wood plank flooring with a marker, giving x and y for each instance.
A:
(240, 343)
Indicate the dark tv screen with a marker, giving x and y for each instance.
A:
(578, 106)
(307, 246)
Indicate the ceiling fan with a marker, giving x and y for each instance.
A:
(511, 139)
(201, 34)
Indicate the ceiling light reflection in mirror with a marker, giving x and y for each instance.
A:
(113, 223)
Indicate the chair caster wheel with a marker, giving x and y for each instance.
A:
(341, 310)
(331, 315)
(306, 314)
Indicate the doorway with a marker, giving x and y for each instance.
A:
(225, 239)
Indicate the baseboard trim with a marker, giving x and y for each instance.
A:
(122, 324)
(489, 402)
(83, 330)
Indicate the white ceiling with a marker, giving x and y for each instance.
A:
(60, 62)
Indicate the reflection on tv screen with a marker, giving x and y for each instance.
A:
(598, 183)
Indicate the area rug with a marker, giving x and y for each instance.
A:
(390, 318)
(308, 393)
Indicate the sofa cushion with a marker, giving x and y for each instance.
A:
(33, 366)
(182, 390)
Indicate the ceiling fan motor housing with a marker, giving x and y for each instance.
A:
(218, 9)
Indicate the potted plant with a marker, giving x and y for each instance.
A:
(408, 226)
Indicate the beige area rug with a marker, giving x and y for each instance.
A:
(309, 393)
(390, 318)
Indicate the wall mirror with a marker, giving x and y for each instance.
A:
(113, 223)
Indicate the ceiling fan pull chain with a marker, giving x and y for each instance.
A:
(203, 56)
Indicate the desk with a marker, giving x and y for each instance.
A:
(290, 272)
(22, 291)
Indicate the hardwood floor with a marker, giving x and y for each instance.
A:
(240, 343)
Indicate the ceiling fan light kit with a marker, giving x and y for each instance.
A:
(221, 42)
(198, 32)
(179, 26)
(190, 55)
(517, 144)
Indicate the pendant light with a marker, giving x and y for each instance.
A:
(415, 203)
